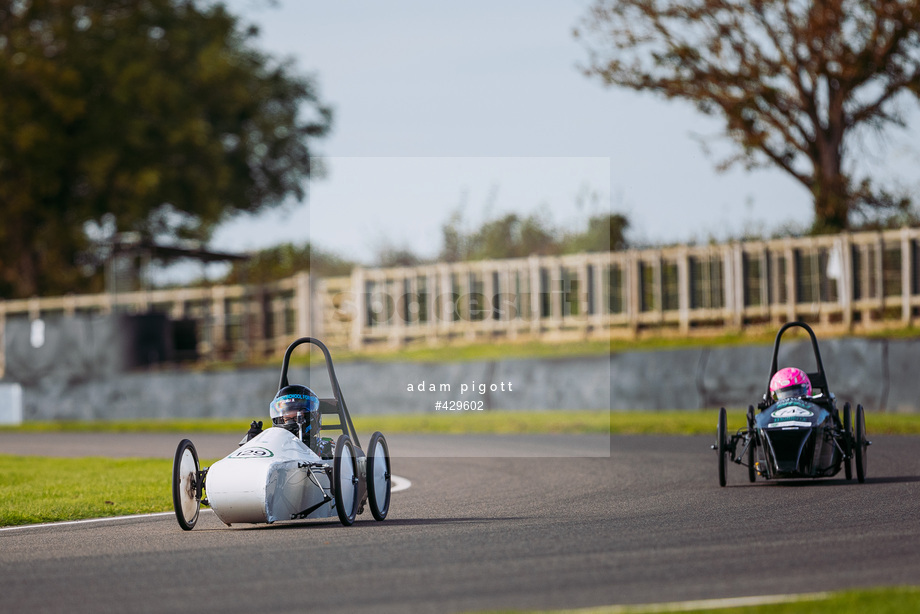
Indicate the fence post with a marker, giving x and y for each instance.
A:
(302, 302)
(791, 269)
(880, 273)
(906, 276)
(447, 301)
(536, 299)
(683, 289)
(631, 273)
(765, 267)
(431, 285)
(846, 283)
(600, 301)
(218, 310)
(488, 298)
(356, 342)
(737, 258)
(585, 296)
(2, 339)
(556, 290)
(466, 315)
(658, 286)
(728, 287)
(399, 325)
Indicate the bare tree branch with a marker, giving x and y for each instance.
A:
(794, 80)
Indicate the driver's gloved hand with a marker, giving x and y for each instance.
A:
(254, 429)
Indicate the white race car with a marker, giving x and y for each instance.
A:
(289, 471)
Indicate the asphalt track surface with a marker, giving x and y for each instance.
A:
(490, 523)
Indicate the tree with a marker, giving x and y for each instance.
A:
(158, 115)
(513, 236)
(286, 260)
(796, 81)
(604, 233)
(510, 236)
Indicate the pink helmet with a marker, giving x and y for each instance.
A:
(789, 382)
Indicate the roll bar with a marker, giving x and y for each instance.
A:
(339, 399)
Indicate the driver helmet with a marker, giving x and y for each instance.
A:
(789, 382)
(295, 405)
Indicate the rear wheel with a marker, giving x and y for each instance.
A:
(186, 500)
(862, 444)
(752, 446)
(847, 442)
(752, 460)
(378, 476)
(722, 444)
(345, 476)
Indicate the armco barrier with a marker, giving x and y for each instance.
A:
(879, 374)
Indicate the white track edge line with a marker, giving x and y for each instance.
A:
(65, 523)
(701, 604)
(397, 484)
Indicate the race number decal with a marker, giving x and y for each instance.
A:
(788, 424)
(792, 412)
(253, 452)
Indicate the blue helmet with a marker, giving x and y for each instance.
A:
(294, 404)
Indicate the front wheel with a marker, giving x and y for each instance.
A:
(862, 444)
(378, 476)
(345, 476)
(722, 444)
(186, 500)
(847, 443)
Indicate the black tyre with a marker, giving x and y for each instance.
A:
(752, 446)
(345, 476)
(862, 444)
(752, 461)
(722, 444)
(186, 500)
(847, 442)
(378, 476)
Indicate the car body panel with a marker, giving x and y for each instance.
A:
(266, 480)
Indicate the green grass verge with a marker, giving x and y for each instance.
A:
(899, 600)
(887, 600)
(457, 422)
(672, 422)
(702, 422)
(38, 489)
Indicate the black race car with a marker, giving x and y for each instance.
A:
(799, 436)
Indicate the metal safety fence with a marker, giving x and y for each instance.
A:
(849, 281)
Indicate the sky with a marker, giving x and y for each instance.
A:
(481, 107)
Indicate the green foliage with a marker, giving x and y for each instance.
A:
(394, 256)
(152, 116)
(286, 260)
(513, 236)
(604, 233)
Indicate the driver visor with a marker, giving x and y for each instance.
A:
(798, 390)
(290, 405)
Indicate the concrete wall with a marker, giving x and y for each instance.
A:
(880, 374)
